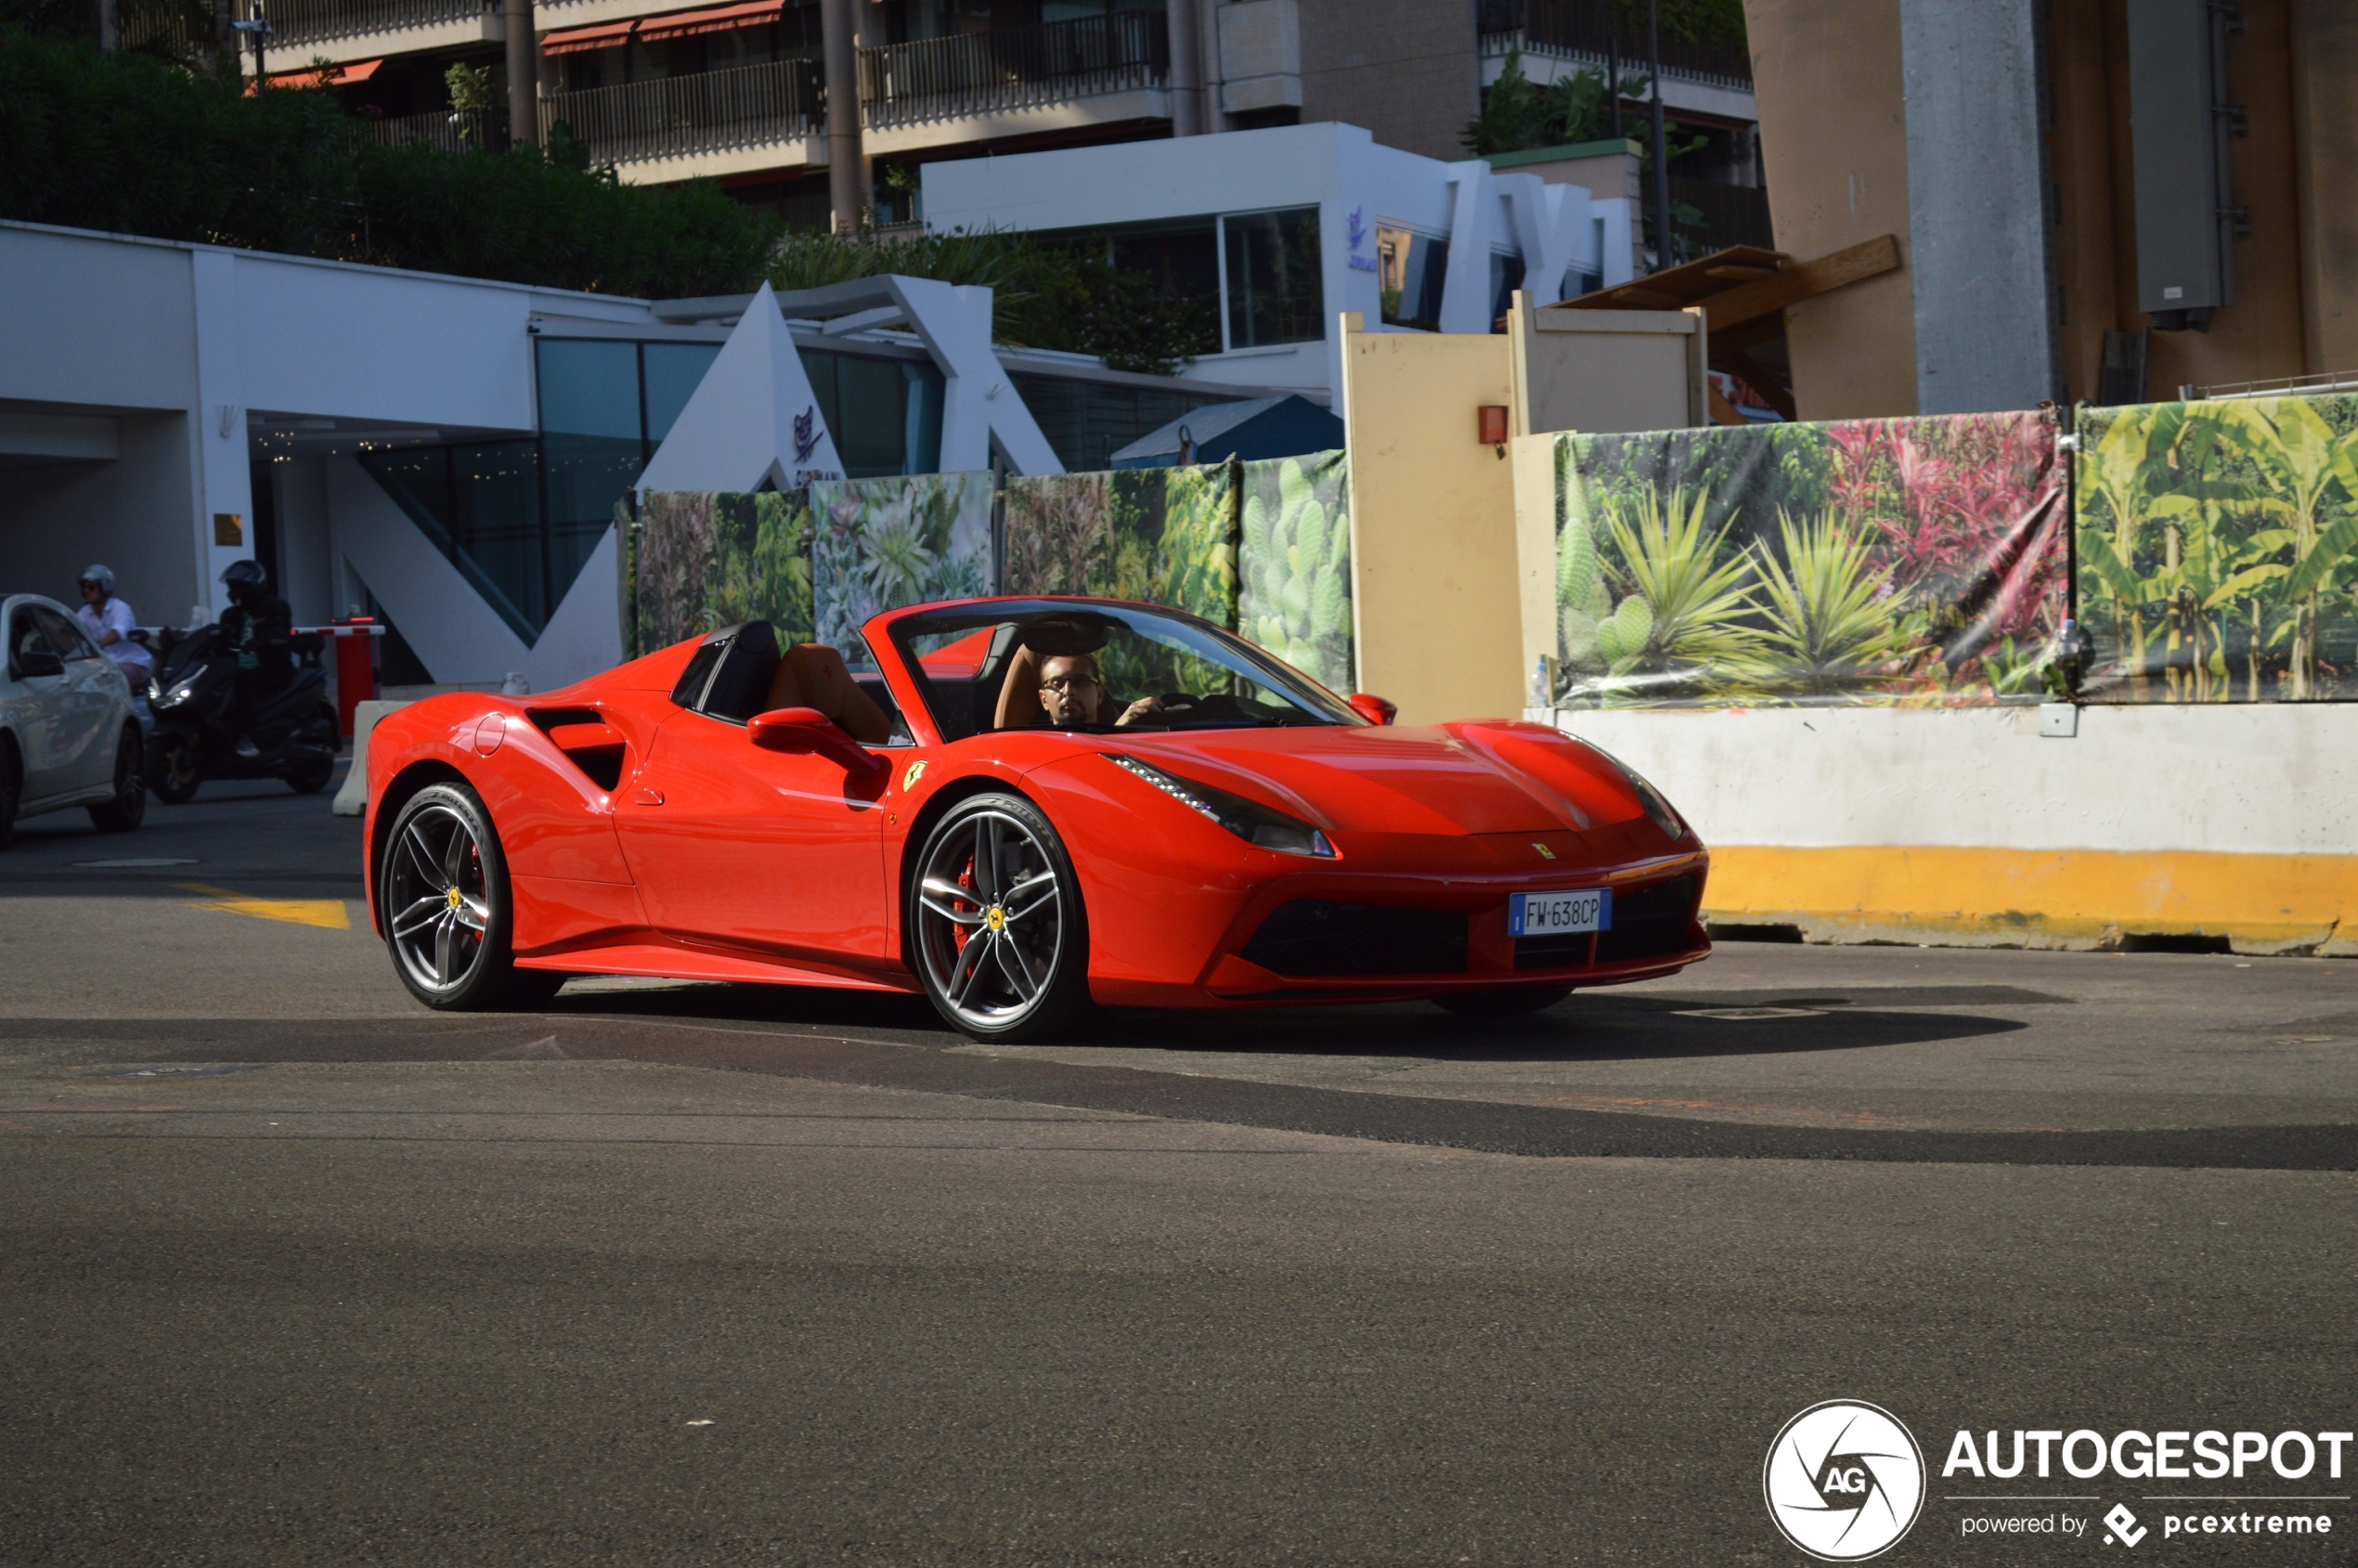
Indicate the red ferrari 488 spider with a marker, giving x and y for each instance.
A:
(1019, 807)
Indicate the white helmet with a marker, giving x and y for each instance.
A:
(102, 575)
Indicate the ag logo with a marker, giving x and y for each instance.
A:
(1844, 1481)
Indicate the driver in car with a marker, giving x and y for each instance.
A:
(1073, 692)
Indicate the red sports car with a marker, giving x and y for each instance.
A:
(1019, 807)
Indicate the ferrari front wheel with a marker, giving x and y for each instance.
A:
(1001, 939)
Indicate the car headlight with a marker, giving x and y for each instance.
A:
(1255, 823)
(1658, 808)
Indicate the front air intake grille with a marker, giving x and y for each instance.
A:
(1650, 922)
(1317, 937)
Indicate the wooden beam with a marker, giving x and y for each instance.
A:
(1810, 279)
(1723, 411)
(1643, 298)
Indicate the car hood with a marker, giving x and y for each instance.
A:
(1453, 779)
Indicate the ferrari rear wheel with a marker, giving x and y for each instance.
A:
(995, 919)
(1504, 1002)
(446, 907)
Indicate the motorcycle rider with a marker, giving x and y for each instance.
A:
(257, 631)
(109, 622)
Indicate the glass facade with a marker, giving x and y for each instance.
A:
(1272, 266)
(1411, 268)
(518, 518)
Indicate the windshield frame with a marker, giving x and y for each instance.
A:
(1319, 708)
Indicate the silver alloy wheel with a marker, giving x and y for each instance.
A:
(990, 920)
(437, 908)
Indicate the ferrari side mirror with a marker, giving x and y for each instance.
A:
(806, 729)
(1374, 709)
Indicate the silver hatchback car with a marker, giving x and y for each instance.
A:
(69, 735)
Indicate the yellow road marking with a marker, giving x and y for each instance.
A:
(329, 915)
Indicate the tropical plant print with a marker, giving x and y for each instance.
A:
(1294, 598)
(882, 543)
(2217, 546)
(1875, 561)
(705, 560)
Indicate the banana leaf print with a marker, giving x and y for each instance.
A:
(2218, 547)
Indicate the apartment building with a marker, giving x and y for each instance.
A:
(737, 90)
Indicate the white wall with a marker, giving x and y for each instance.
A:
(2263, 778)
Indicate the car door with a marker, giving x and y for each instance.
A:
(44, 710)
(89, 696)
(780, 853)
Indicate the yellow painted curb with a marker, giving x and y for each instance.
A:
(2045, 898)
(329, 915)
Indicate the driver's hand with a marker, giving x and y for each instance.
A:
(1137, 710)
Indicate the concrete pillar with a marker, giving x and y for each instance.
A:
(1186, 70)
(524, 74)
(846, 190)
(2325, 62)
(1976, 184)
(1215, 118)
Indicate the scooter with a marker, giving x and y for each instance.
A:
(196, 683)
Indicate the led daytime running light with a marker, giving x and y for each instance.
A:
(1256, 825)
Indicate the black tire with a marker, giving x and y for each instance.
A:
(1503, 1001)
(129, 807)
(997, 932)
(444, 903)
(310, 778)
(175, 770)
(11, 789)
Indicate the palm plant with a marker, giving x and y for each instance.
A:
(1684, 593)
(1833, 624)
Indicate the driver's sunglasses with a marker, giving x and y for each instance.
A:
(1064, 683)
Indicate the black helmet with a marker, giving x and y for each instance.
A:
(245, 574)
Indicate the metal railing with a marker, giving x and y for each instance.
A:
(1734, 215)
(1581, 30)
(1013, 68)
(304, 22)
(681, 114)
(453, 130)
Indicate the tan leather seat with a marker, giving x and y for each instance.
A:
(812, 675)
(1019, 705)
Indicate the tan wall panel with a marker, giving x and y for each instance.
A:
(1833, 134)
(1604, 369)
(1533, 460)
(2324, 76)
(2089, 266)
(1433, 517)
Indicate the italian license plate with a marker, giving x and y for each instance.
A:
(1560, 914)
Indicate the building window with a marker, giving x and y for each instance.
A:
(885, 414)
(1505, 277)
(1412, 267)
(1270, 262)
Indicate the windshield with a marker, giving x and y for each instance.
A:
(1101, 668)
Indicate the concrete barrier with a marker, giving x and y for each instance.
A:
(352, 800)
(1968, 826)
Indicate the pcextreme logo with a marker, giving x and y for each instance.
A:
(1844, 1481)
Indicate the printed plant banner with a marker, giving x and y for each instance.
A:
(2219, 549)
(882, 543)
(1918, 561)
(706, 558)
(1294, 598)
(1161, 536)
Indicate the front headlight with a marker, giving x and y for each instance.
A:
(1658, 808)
(1256, 825)
(177, 696)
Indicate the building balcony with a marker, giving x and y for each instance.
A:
(711, 122)
(1010, 79)
(1581, 32)
(452, 130)
(346, 29)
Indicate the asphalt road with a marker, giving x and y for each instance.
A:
(293, 1272)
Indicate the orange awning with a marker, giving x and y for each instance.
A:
(601, 35)
(341, 76)
(713, 19)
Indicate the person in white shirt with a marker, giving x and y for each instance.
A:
(109, 622)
